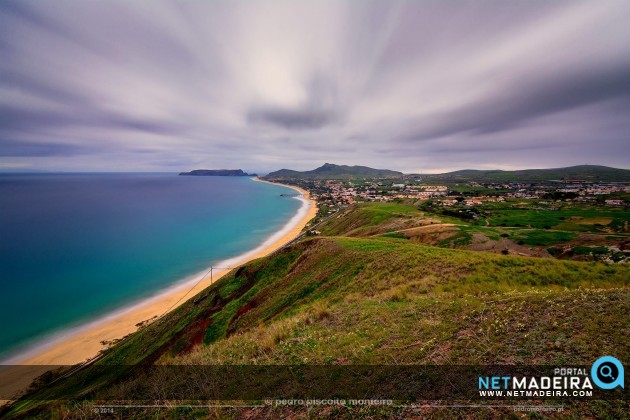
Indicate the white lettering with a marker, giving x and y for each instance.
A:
(516, 384)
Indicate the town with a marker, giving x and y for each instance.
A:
(566, 218)
(333, 193)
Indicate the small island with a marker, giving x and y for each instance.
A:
(217, 172)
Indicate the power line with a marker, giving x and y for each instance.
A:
(101, 354)
(195, 285)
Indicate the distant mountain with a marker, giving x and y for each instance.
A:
(590, 173)
(217, 172)
(331, 171)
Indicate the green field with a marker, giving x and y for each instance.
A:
(541, 237)
(579, 220)
(532, 228)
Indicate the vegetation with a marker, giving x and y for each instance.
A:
(542, 237)
(580, 172)
(369, 219)
(370, 292)
(424, 223)
(331, 171)
(579, 220)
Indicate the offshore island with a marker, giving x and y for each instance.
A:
(217, 172)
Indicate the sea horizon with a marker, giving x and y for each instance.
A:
(257, 239)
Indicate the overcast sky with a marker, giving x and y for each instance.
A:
(417, 86)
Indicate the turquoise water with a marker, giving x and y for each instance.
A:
(76, 247)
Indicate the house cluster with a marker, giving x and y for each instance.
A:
(470, 201)
(333, 193)
(615, 202)
(347, 192)
(421, 192)
(580, 192)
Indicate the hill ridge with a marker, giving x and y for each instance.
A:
(331, 171)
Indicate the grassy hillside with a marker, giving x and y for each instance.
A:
(581, 172)
(338, 300)
(570, 233)
(367, 219)
(349, 299)
(591, 173)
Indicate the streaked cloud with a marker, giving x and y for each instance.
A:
(259, 85)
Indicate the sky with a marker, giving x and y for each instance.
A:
(417, 86)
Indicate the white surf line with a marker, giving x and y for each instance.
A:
(48, 341)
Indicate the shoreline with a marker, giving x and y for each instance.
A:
(83, 343)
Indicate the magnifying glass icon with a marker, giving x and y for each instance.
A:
(606, 371)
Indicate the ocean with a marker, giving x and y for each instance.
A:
(75, 247)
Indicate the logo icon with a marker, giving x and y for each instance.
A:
(607, 373)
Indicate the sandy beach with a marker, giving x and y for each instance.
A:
(84, 342)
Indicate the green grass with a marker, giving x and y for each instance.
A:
(587, 172)
(541, 237)
(461, 238)
(366, 218)
(554, 327)
(580, 220)
(373, 301)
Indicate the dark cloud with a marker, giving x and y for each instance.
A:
(317, 111)
(275, 83)
(292, 119)
(14, 148)
(34, 120)
(40, 87)
(18, 119)
(520, 101)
